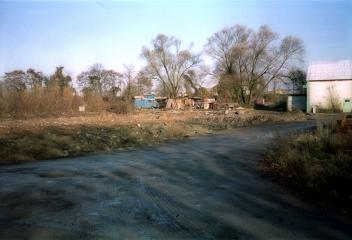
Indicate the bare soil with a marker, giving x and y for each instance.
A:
(23, 140)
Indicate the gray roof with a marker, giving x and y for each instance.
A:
(339, 70)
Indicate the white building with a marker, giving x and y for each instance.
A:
(329, 82)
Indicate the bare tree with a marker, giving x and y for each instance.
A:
(253, 60)
(129, 76)
(112, 81)
(15, 81)
(59, 79)
(195, 80)
(296, 79)
(19, 80)
(144, 82)
(168, 64)
(35, 79)
(100, 80)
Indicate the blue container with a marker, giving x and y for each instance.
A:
(147, 101)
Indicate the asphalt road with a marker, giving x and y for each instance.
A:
(206, 187)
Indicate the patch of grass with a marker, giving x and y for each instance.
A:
(318, 164)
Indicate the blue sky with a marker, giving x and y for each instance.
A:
(77, 34)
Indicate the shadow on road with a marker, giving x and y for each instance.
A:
(201, 188)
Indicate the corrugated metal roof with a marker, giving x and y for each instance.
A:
(338, 70)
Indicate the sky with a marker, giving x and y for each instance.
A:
(77, 34)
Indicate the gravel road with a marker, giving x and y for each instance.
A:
(206, 187)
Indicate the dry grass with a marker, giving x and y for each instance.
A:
(43, 138)
(245, 117)
(12, 127)
(62, 142)
(39, 102)
(318, 163)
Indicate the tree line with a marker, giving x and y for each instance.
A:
(246, 63)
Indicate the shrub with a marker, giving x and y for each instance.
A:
(319, 163)
(94, 102)
(329, 109)
(39, 101)
(121, 106)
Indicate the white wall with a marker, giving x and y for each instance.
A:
(318, 92)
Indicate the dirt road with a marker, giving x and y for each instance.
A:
(201, 188)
